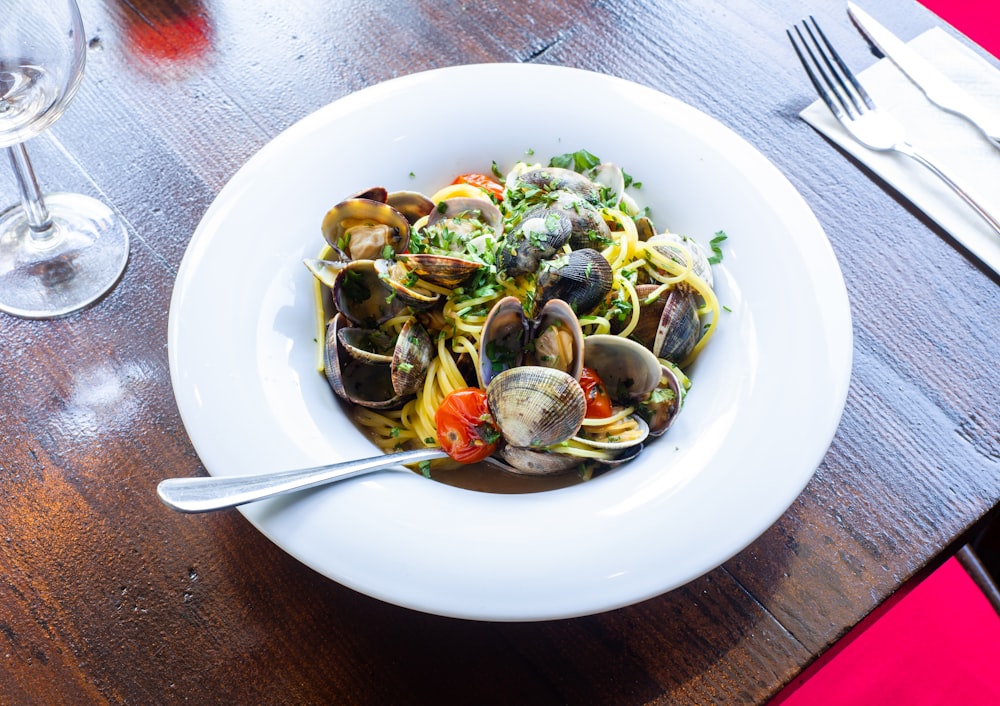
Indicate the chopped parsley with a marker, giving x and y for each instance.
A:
(579, 161)
(714, 243)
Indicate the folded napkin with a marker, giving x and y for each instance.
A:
(956, 145)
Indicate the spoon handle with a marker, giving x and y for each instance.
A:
(202, 494)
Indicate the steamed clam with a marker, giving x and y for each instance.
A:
(533, 291)
(679, 328)
(372, 369)
(444, 270)
(541, 412)
(537, 237)
(510, 339)
(581, 278)
(363, 296)
(536, 407)
(366, 229)
(453, 222)
(559, 179)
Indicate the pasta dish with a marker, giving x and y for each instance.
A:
(535, 316)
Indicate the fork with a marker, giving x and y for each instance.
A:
(854, 108)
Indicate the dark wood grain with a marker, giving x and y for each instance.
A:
(108, 597)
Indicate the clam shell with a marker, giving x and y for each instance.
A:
(395, 276)
(560, 179)
(482, 210)
(333, 352)
(649, 315)
(628, 369)
(582, 279)
(373, 193)
(380, 225)
(363, 297)
(412, 204)
(680, 326)
(644, 227)
(557, 339)
(537, 237)
(411, 358)
(371, 346)
(370, 385)
(532, 462)
(660, 410)
(612, 445)
(361, 380)
(444, 270)
(535, 407)
(325, 271)
(505, 333)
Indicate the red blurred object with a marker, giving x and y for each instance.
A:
(180, 38)
(166, 39)
(939, 645)
(979, 20)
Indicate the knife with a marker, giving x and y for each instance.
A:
(935, 85)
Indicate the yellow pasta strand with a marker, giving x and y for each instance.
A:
(607, 421)
(462, 316)
(634, 299)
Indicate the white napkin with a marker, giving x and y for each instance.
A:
(953, 143)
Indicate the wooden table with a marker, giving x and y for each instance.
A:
(108, 596)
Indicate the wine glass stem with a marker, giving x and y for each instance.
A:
(31, 197)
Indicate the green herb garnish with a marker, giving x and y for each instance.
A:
(714, 243)
(579, 161)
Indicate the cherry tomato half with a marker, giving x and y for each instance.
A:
(465, 428)
(482, 181)
(598, 400)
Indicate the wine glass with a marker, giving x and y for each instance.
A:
(61, 252)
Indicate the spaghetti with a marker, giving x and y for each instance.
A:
(639, 256)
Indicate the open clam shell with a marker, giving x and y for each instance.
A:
(370, 368)
(479, 211)
(412, 204)
(552, 340)
(444, 270)
(411, 358)
(638, 433)
(504, 337)
(537, 237)
(557, 339)
(363, 296)
(398, 279)
(628, 369)
(661, 406)
(364, 228)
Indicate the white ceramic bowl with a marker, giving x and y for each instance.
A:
(767, 396)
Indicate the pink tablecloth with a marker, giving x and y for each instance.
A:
(979, 20)
(940, 645)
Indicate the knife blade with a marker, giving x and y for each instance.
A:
(936, 86)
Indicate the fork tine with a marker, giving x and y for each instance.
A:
(829, 82)
(845, 71)
(821, 89)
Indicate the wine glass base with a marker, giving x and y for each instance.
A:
(72, 266)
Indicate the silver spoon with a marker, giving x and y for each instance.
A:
(202, 494)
